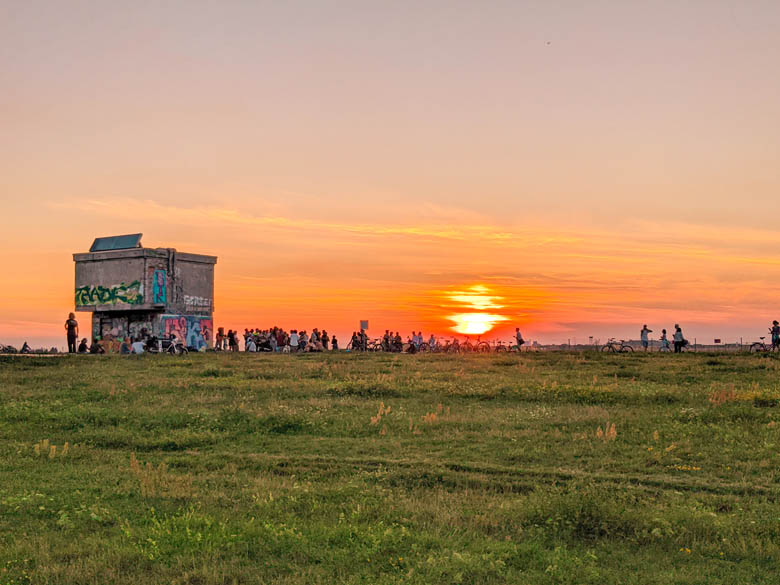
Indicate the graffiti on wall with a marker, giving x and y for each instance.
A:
(196, 332)
(139, 329)
(130, 294)
(197, 303)
(160, 287)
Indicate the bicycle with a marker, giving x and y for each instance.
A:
(762, 347)
(479, 347)
(375, 345)
(170, 345)
(511, 347)
(613, 346)
(450, 346)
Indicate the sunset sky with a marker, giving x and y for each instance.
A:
(572, 168)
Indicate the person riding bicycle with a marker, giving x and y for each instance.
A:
(775, 331)
(644, 337)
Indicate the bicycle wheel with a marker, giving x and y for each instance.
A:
(466, 348)
(423, 347)
(501, 349)
(483, 347)
(608, 348)
(626, 349)
(757, 347)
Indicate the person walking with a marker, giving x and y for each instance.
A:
(679, 340)
(645, 337)
(519, 338)
(72, 329)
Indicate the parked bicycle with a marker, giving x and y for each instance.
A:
(763, 347)
(511, 346)
(479, 347)
(614, 346)
(170, 345)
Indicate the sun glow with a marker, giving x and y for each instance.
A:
(476, 297)
(475, 323)
(476, 300)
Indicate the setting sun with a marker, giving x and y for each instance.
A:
(475, 323)
(477, 297)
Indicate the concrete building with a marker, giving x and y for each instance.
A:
(135, 291)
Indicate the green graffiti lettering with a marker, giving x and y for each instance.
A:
(129, 294)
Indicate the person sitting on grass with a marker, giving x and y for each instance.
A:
(83, 346)
(137, 345)
(96, 347)
(125, 348)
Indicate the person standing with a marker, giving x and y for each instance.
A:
(645, 337)
(72, 328)
(679, 340)
(325, 340)
(293, 340)
(775, 331)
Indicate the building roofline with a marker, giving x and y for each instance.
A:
(143, 253)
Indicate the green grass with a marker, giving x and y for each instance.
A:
(486, 469)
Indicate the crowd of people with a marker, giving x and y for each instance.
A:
(277, 339)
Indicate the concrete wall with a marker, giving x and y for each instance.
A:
(143, 290)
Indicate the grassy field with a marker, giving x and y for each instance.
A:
(540, 468)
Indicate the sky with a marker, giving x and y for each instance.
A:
(573, 168)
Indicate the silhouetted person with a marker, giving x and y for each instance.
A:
(72, 328)
(644, 336)
(83, 347)
(679, 340)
